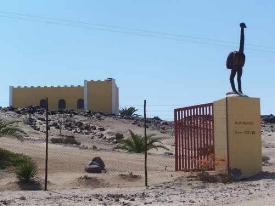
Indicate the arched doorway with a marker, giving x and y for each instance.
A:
(80, 104)
(61, 104)
(43, 103)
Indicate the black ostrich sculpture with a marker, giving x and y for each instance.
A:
(235, 61)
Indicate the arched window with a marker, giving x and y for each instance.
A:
(61, 104)
(80, 104)
(43, 103)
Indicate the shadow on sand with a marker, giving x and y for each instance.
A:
(262, 176)
(33, 185)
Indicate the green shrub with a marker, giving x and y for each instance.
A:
(8, 158)
(128, 112)
(8, 129)
(26, 171)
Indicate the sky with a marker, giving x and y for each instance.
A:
(170, 52)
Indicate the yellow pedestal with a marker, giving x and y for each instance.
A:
(238, 136)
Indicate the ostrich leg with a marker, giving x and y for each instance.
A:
(232, 76)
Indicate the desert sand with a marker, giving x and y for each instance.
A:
(123, 182)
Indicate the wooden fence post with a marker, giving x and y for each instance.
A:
(145, 149)
(47, 141)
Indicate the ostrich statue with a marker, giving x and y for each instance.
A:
(235, 62)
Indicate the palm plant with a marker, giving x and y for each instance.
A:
(128, 112)
(136, 143)
(8, 129)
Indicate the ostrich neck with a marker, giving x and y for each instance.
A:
(242, 41)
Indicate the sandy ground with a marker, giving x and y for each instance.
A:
(116, 187)
(66, 164)
(178, 192)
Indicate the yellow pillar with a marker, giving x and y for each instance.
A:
(237, 132)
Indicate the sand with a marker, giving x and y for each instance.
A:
(69, 184)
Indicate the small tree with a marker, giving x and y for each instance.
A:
(128, 112)
(136, 143)
(8, 129)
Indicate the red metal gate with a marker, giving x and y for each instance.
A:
(194, 138)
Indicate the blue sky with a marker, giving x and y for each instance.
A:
(61, 43)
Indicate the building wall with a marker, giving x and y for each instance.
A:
(31, 96)
(98, 96)
(115, 99)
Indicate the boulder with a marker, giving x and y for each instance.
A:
(95, 166)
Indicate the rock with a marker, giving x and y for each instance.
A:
(101, 129)
(99, 161)
(192, 201)
(119, 136)
(99, 135)
(98, 116)
(77, 130)
(87, 127)
(79, 124)
(22, 198)
(92, 127)
(168, 153)
(68, 125)
(41, 119)
(95, 166)
(86, 132)
(92, 168)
